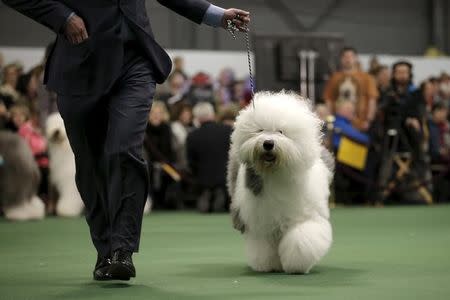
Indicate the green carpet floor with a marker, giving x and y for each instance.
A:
(379, 253)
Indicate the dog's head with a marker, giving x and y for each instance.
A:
(279, 132)
(55, 130)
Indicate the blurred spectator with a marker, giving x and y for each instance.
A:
(383, 79)
(348, 186)
(440, 152)
(158, 146)
(20, 115)
(181, 126)
(345, 113)
(178, 66)
(402, 78)
(403, 104)
(354, 85)
(429, 93)
(401, 137)
(242, 93)
(27, 86)
(439, 134)
(322, 111)
(177, 86)
(444, 89)
(374, 66)
(228, 116)
(207, 153)
(239, 93)
(224, 89)
(201, 89)
(8, 92)
(19, 67)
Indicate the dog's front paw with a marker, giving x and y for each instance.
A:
(238, 224)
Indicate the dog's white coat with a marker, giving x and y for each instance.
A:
(287, 224)
(62, 168)
(28, 210)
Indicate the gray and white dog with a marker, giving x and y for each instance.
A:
(62, 168)
(19, 180)
(278, 178)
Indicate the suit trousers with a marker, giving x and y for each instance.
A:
(106, 133)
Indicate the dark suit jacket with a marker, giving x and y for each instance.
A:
(92, 66)
(207, 153)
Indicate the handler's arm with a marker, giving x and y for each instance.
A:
(194, 10)
(50, 13)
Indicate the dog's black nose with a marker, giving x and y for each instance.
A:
(268, 145)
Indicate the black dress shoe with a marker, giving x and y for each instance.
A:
(122, 267)
(101, 268)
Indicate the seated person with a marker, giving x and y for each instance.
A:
(439, 147)
(159, 150)
(349, 188)
(207, 153)
(20, 117)
(439, 134)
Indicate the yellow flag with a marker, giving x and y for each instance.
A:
(352, 153)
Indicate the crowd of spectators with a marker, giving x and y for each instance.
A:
(186, 141)
(404, 128)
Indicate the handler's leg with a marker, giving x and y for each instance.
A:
(85, 124)
(125, 169)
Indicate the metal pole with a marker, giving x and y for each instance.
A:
(303, 73)
(312, 55)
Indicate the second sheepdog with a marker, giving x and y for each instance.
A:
(62, 168)
(278, 177)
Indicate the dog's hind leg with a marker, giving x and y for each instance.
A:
(304, 245)
(33, 209)
(262, 255)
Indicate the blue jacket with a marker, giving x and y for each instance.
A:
(344, 127)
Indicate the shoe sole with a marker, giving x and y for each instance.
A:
(104, 278)
(120, 272)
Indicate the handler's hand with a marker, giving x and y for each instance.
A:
(75, 31)
(240, 17)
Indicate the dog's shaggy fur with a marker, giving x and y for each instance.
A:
(62, 168)
(19, 180)
(280, 191)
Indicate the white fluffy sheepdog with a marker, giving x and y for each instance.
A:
(62, 168)
(278, 178)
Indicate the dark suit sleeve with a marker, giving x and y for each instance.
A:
(194, 10)
(50, 13)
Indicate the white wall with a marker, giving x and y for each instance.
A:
(210, 62)
(29, 57)
(213, 61)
